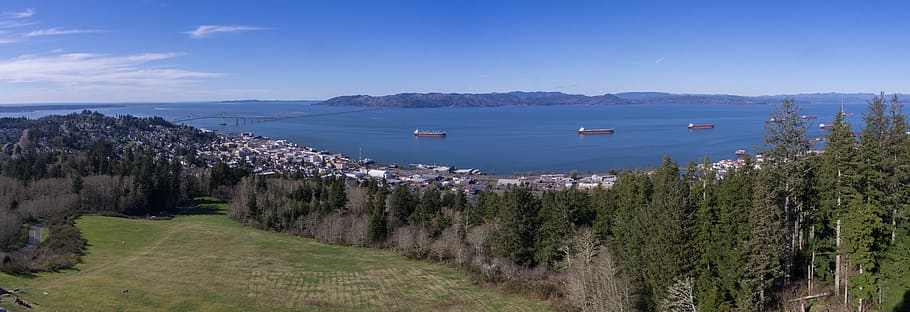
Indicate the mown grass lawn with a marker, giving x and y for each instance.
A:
(211, 263)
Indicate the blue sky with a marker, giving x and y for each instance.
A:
(157, 50)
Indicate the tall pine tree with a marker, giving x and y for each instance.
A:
(786, 144)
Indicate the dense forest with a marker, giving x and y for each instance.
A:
(796, 227)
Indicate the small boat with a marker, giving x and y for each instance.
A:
(775, 120)
(435, 134)
(808, 117)
(584, 131)
(741, 152)
(702, 126)
(825, 126)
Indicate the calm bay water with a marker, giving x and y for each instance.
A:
(501, 140)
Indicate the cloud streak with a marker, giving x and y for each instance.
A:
(24, 14)
(207, 31)
(87, 70)
(59, 31)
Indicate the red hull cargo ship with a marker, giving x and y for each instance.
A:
(698, 127)
(433, 134)
(584, 131)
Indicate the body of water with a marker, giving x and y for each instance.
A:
(502, 140)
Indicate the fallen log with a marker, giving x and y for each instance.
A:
(810, 296)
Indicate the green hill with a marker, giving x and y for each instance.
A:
(209, 262)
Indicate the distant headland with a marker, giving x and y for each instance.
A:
(518, 98)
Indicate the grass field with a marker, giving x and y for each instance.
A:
(211, 263)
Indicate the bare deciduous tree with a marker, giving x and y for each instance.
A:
(593, 281)
(680, 297)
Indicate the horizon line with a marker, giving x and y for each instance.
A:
(434, 92)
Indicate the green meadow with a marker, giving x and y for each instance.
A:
(207, 262)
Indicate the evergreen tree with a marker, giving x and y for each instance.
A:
(730, 231)
(897, 164)
(858, 234)
(630, 230)
(555, 228)
(379, 226)
(715, 242)
(837, 175)
(666, 249)
(460, 202)
(489, 204)
(786, 144)
(338, 198)
(764, 246)
(603, 203)
(402, 204)
(516, 226)
(426, 210)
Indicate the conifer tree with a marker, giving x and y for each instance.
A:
(763, 246)
(402, 204)
(555, 228)
(786, 143)
(603, 203)
(460, 201)
(630, 230)
(897, 166)
(516, 226)
(837, 188)
(859, 230)
(429, 205)
(666, 249)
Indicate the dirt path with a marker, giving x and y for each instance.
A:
(34, 235)
(34, 240)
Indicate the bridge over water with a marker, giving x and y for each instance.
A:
(239, 119)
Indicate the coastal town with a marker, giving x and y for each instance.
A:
(268, 156)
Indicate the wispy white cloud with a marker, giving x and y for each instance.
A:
(658, 61)
(94, 70)
(8, 24)
(59, 31)
(23, 14)
(205, 31)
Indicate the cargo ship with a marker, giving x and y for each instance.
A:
(825, 126)
(435, 134)
(702, 126)
(582, 130)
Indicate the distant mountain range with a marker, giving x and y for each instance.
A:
(425, 100)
